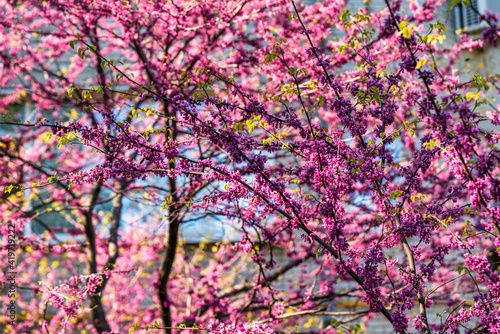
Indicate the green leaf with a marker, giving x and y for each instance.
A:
(81, 53)
(8, 189)
(421, 63)
(406, 32)
(321, 101)
(268, 59)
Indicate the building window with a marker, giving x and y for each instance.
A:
(467, 17)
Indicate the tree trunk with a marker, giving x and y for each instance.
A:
(98, 315)
(169, 257)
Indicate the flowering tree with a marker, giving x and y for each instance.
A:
(337, 137)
